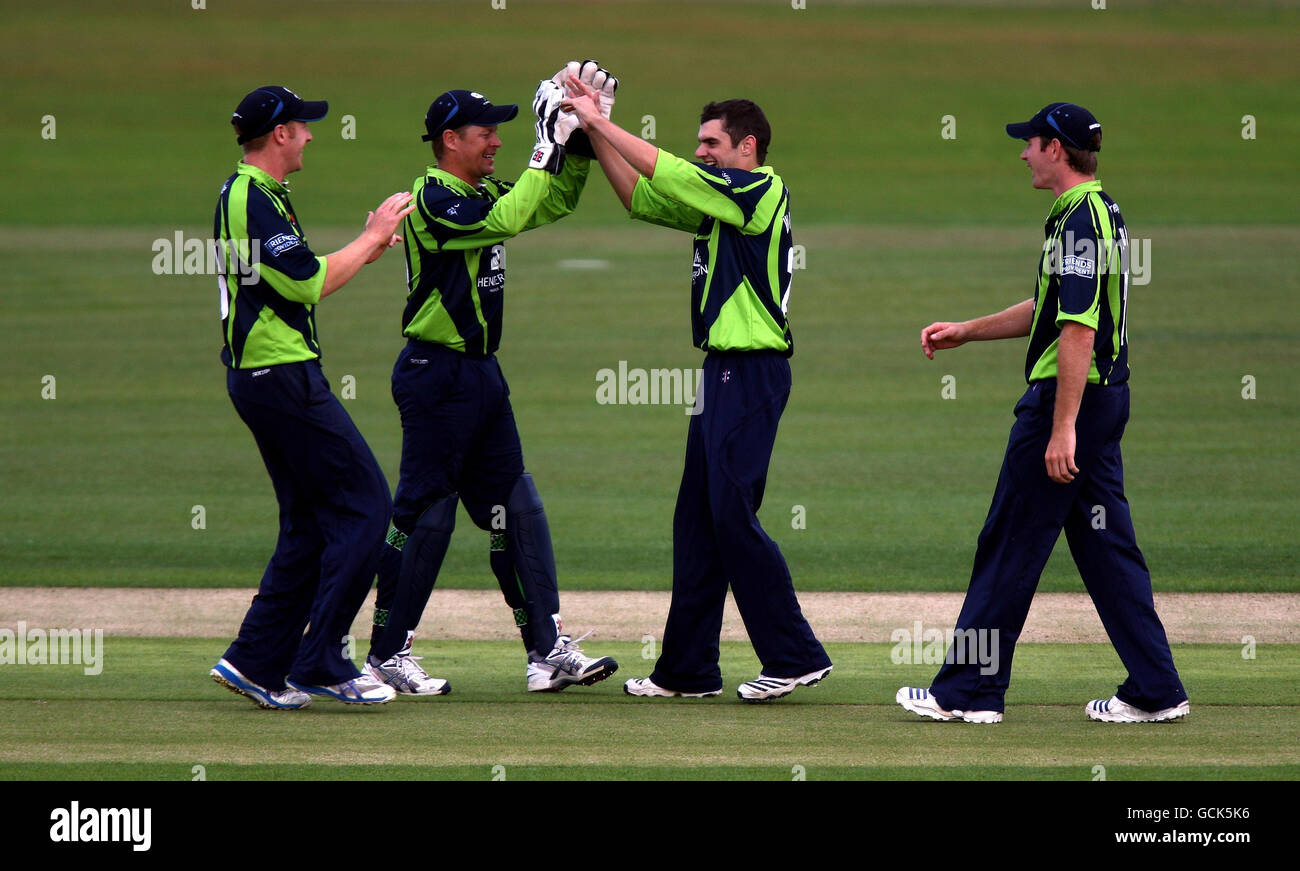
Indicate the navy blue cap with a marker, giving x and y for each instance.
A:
(270, 106)
(1068, 122)
(455, 109)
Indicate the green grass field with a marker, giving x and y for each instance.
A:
(901, 227)
(895, 480)
(151, 714)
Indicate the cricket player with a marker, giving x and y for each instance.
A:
(1063, 468)
(738, 210)
(334, 501)
(459, 440)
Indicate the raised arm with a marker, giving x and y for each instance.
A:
(629, 163)
(562, 198)
(446, 221)
(622, 177)
(639, 155)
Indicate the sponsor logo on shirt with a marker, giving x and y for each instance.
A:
(1072, 264)
(699, 268)
(277, 245)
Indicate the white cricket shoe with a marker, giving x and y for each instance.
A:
(273, 700)
(360, 690)
(643, 686)
(567, 665)
(405, 675)
(919, 701)
(1113, 710)
(763, 688)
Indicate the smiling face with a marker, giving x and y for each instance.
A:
(470, 152)
(298, 135)
(1044, 160)
(716, 148)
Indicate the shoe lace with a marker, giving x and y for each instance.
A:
(569, 655)
(411, 669)
(572, 643)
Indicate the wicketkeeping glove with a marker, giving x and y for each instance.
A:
(578, 144)
(572, 68)
(599, 79)
(548, 153)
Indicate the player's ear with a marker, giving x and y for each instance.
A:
(749, 148)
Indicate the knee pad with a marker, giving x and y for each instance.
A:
(425, 548)
(421, 558)
(440, 516)
(524, 498)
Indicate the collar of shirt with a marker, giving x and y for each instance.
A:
(1072, 196)
(262, 178)
(456, 183)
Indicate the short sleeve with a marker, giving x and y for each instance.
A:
(1080, 271)
(730, 195)
(283, 259)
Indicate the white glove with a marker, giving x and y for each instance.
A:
(564, 122)
(577, 144)
(548, 153)
(572, 68)
(599, 79)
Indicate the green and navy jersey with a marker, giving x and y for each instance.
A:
(455, 256)
(741, 271)
(1082, 277)
(270, 281)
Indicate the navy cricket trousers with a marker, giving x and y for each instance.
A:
(459, 437)
(334, 509)
(458, 433)
(1029, 511)
(717, 539)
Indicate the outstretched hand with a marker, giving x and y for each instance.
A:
(381, 223)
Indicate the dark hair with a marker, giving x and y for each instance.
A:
(741, 118)
(1079, 159)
